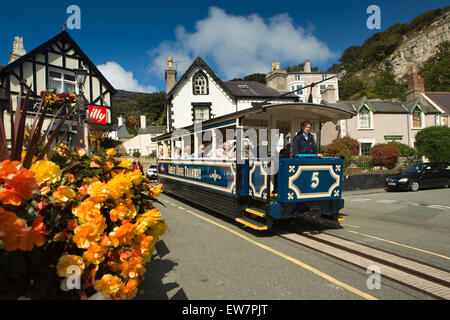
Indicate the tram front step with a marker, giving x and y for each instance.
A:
(249, 222)
(255, 211)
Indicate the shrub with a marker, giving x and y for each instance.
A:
(342, 147)
(434, 143)
(385, 155)
(136, 154)
(405, 150)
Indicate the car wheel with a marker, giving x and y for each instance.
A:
(414, 186)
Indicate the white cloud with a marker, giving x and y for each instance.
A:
(241, 45)
(122, 79)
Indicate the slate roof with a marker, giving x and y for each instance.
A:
(122, 132)
(153, 130)
(254, 89)
(442, 99)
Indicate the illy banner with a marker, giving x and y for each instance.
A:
(97, 114)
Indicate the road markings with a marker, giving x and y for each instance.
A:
(349, 225)
(181, 208)
(400, 244)
(436, 206)
(293, 260)
(359, 200)
(386, 201)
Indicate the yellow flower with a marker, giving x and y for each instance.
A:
(98, 191)
(89, 233)
(122, 235)
(88, 211)
(129, 291)
(67, 261)
(63, 194)
(109, 285)
(135, 177)
(125, 163)
(155, 190)
(125, 210)
(90, 180)
(146, 220)
(24, 153)
(119, 185)
(46, 171)
(111, 152)
(95, 254)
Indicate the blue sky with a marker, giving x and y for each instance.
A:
(130, 40)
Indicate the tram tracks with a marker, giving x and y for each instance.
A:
(417, 275)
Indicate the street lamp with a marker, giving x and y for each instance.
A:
(80, 77)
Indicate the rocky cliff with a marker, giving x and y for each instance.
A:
(416, 48)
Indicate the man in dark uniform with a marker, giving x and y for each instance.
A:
(304, 141)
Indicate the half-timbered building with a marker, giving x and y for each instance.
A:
(51, 66)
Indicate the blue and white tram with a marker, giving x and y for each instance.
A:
(249, 182)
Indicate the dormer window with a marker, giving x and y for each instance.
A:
(200, 84)
(417, 118)
(365, 118)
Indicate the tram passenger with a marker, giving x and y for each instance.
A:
(304, 141)
(202, 153)
(161, 153)
(178, 153)
(223, 152)
(286, 151)
(187, 152)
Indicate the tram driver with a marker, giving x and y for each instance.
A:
(304, 141)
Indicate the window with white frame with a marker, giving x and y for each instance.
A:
(364, 118)
(200, 84)
(324, 76)
(297, 78)
(365, 148)
(201, 113)
(62, 82)
(417, 118)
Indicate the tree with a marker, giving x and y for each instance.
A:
(434, 143)
(386, 87)
(436, 70)
(385, 155)
(342, 147)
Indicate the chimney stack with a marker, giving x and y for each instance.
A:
(143, 121)
(307, 67)
(171, 75)
(416, 85)
(329, 95)
(277, 78)
(18, 49)
(120, 120)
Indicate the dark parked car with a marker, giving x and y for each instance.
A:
(421, 175)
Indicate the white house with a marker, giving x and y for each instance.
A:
(200, 95)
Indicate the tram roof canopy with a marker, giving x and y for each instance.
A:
(280, 112)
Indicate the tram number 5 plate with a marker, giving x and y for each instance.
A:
(315, 180)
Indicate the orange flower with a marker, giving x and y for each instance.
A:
(71, 178)
(109, 285)
(156, 190)
(95, 164)
(106, 242)
(125, 256)
(95, 254)
(98, 191)
(11, 196)
(132, 268)
(81, 152)
(122, 235)
(83, 189)
(87, 211)
(109, 165)
(45, 189)
(130, 289)
(146, 220)
(125, 210)
(71, 225)
(67, 261)
(9, 167)
(63, 194)
(88, 233)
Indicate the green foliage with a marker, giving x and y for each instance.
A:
(299, 68)
(258, 77)
(342, 147)
(386, 87)
(385, 155)
(434, 143)
(151, 105)
(405, 150)
(436, 70)
(352, 88)
(108, 143)
(136, 154)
